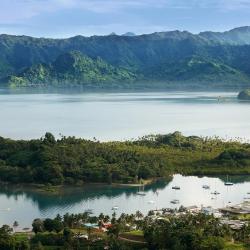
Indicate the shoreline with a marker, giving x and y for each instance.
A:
(55, 189)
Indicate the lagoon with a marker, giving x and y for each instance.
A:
(24, 204)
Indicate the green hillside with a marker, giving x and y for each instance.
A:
(71, 68)
(208, 59)
(198, 70)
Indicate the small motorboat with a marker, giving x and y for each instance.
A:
(89, 211)
(151, 202)
(141, 193)
(228, 183)
(176, 187)
(115, 207)
(175, 201)
(6, 209)
(215, 193)
(206, 187)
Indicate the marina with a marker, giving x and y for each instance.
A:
(23, 205)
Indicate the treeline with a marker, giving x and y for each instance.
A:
(69, 160)
(136, 231)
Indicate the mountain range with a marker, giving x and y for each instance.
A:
(157, 60)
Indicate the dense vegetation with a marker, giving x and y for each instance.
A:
(165, 59)
(172, 231)
(72, 69)
(244, 95)
(74, 161)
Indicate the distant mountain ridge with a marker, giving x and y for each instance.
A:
(168, 58)
(237, 36)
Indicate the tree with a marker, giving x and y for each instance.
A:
(49, 225)
(49, 138)
(7, 242)
(212, 243)
(38, 246)
(37, 226)
(67, 234)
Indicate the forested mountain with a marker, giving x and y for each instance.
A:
(72, 68)
(206, 59)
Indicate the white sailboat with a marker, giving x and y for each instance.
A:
(228, 183)
(141, 191)
(88, 210)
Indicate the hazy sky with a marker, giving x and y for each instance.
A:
(65, 18)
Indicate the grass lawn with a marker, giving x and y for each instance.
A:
(236, 246)
(21, 236)
(135, 235)
(135, 232)
(244, 217)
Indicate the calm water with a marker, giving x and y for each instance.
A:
(26, 205)
(116, 116)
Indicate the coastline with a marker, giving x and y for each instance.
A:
(56, 189)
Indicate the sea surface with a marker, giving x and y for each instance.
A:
(122, 116)
(24, 205)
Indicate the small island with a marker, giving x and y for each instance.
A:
(244, 95)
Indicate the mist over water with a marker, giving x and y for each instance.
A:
(120, 116)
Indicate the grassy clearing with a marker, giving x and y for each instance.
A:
(135, 233)
(236, 246)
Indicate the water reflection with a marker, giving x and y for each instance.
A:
(26, 204)
(69, 196)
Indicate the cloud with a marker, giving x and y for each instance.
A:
(69, 17)
(18, 10)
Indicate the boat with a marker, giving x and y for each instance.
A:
(141, 191)
(151, 202)
(228, 183)
(6, 209)
(206, 187)
(89, 211)
(176, 187)
(215, 193)
(115, 207)
(175, 201)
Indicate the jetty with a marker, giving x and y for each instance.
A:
(242, 208)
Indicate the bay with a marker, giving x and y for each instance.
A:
(121, 116)
(24, 205)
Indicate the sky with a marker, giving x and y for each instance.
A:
(66, 18)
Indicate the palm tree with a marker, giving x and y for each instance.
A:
(139, 215)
